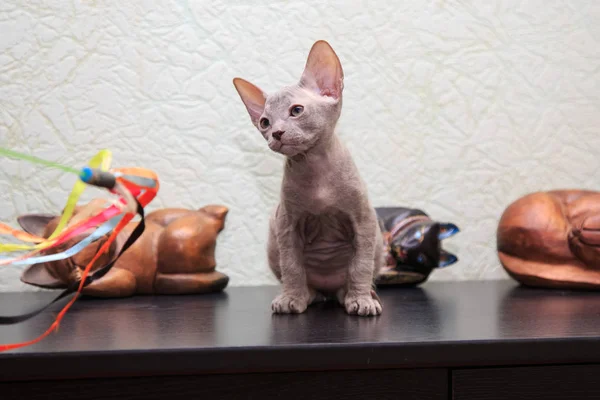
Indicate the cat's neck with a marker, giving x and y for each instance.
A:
(321, 157)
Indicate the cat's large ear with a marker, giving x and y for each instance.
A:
(323, 71)
(254, 99)
(38, 275)
(447, 229)
(446, 259)
(35, 224)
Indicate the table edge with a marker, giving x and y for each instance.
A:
(304, 357)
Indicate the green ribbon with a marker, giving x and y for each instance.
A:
(21, 156)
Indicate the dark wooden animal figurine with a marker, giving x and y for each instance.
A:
(413, 245)
(174, 255)
(552, 239)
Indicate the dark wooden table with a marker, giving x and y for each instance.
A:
(468, 340)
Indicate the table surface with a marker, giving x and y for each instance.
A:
(440, 324)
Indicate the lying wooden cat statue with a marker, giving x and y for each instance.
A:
(174, 255)
(552, 239)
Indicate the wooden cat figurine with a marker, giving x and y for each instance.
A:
(174, 255)
(552, 239)
(413, 246)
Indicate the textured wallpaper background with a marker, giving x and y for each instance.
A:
(457, 107)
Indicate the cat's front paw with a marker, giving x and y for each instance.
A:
(364, 305)
(289, 304)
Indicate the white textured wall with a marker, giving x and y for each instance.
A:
(457, 107)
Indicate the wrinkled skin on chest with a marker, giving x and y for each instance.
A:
(328, 248)
(323, 235)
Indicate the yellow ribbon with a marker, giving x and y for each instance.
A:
(102, 160)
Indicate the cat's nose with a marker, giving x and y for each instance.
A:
(277, 135)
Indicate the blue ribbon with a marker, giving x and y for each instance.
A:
(97, 234)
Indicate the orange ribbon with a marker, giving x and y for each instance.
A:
(144, 195)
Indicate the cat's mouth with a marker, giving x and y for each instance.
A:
(288, 150)
(292, 147)
(283, 148)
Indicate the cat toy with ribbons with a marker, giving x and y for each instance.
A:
(136, 188)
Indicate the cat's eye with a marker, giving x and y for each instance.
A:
(296, 110)
(264, 123)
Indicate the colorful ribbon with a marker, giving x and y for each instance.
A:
(97, 234)
(100, 161)
(137, 185)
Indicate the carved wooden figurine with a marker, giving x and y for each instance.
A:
(174, 255)
(552, 239)
(413, 244)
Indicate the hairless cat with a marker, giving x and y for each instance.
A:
(324, 239)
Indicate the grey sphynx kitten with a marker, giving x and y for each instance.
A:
(324, 237)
